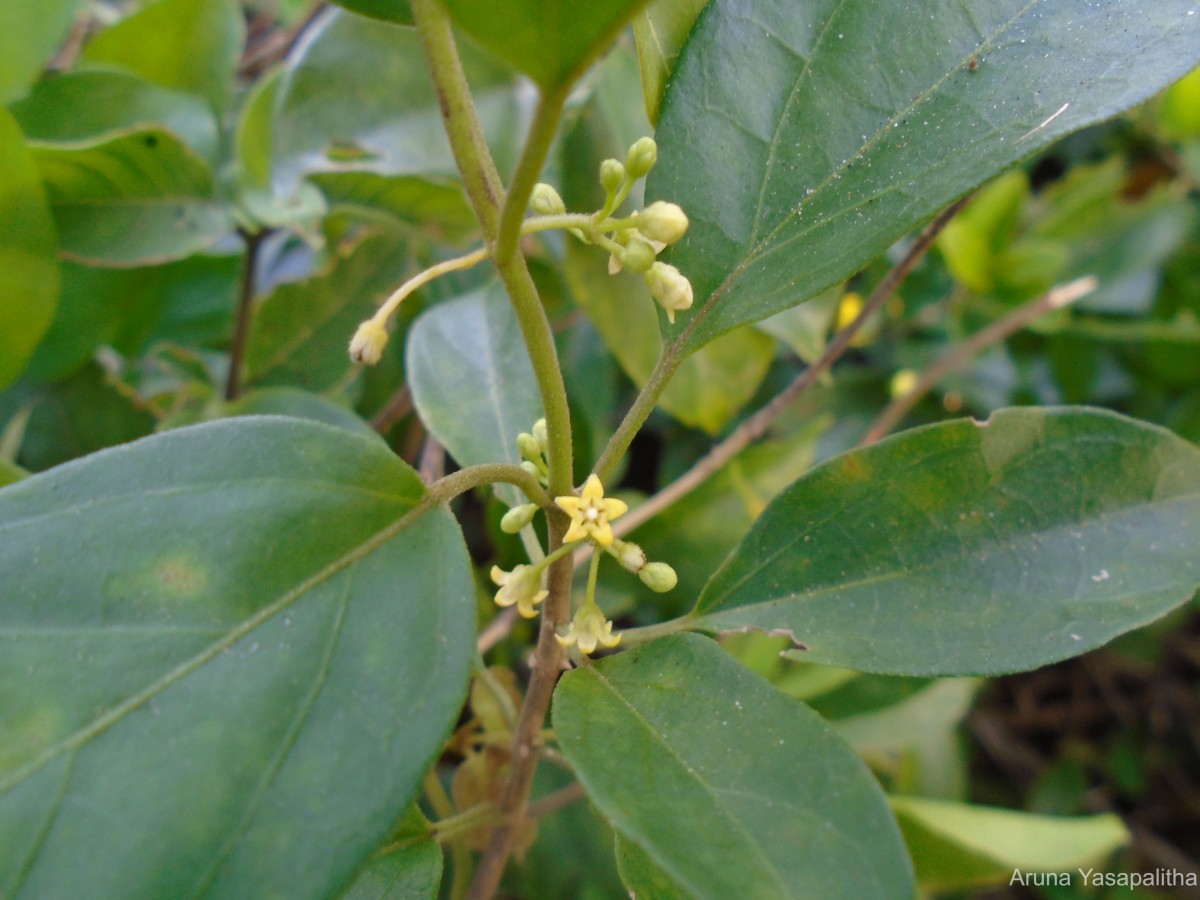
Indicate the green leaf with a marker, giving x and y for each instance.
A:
(661, 30)
(956, 846)
(394, 125)
(82, 106)
(398, 11)
(967, 548)
(300, 334)
(136, 198)
(258, 646)
(30, 30)
(551, 41)
(732, 788)
(29, 274)
(288, 401)
(410, 868)
(803, 140)
(642, 876)
(416, 201)
(186, 45)
(472, 381)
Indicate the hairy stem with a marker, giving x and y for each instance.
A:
(241, 322)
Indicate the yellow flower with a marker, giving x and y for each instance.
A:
(589, 628)
(591, 513)
(368, 342)
(521, 586)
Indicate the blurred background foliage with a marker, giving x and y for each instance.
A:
(202, 198)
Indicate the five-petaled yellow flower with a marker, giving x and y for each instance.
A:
(591, 513)
(521, 586)
(589, 628)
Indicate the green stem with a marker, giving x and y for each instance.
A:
(589, 599)
(533, 158)
(446, 489)
(634, 636)
(503, 699)
(667, 363)
(453, 828)
(459, 854)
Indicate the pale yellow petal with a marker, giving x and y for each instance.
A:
(576, 532)
(602, 534)
(592, 488)
(499, 576)
(570, 505)
(614, 507)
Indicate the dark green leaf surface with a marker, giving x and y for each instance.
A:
(731, 788)
(551, 41)
(301, 333)
(288, 401)
(29, 275)
(802, 140)
(235, 685)
(81, 106)
(661, 30)
(410, 869)
(187, 45)
(471, 379)
(136, 198)
(965, 548)
(30, 30)
(393, 126)
(398, 11)
(642, 877)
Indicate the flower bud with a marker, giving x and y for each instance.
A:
(638, 255)
(661, 221)
(672, 291)
(545, 201)
(518, 517)
(659, 577)
(612, 175)
(642, 157)
(368, 342)
(532, 469)
(528, 446)
(540, 435)
(629, 555)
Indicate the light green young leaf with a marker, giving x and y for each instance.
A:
(136, 198)
(551, 41)
(394, 126)
(956, 846)
(29, 276)
(256, 650)
(186, 45)
(30, 30)
(730, 787)
(472, 381)
(644, 879)
(803, 140)
(967, 548)
(83, 106)
(300, 334)
(661, 30)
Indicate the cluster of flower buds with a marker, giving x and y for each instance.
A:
(658, 576)
(533, 447)
(634, 243)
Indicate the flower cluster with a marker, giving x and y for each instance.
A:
(633, 243)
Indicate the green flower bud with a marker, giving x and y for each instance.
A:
(545, 201)
(539, 435)
(518, 517)
(638, 255)
(528, 446)
(533, 470)
(629, 555)
(664, 222)
(612, 175)
(672, 291)
(659, 577)
(642, 157)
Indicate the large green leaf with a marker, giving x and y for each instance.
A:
(551, 41)
(731, 788)
(472, 381)
(410, 867)
(301, 332)
(394, 125)
(187, 45)
(30, 30)
(803, 139)
(135, 198)
(29, 274)
(967, 548)
(80, 106)
(229, 654)
(957, 846)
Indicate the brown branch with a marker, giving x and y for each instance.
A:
(433, 460)
(262, 54)
(961, 354)
(397, 407)
(241, 323)
(557, 800)
(756, 425)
